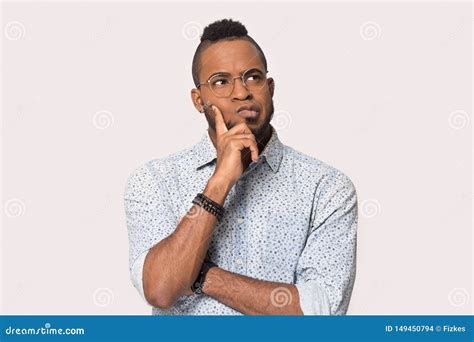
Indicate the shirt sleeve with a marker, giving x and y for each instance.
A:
(137, 275)
(327, 266)
(149, 217)
(313, 298)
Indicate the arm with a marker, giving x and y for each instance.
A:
(327, 264)
(172, 265)
(251, 296)
(174, 258)
(325, 271)
(154, 236)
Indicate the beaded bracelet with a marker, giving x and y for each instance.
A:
(209, 205)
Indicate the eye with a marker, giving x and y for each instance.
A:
(219, 82)
(253, 78)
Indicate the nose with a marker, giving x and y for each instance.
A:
(240, 92)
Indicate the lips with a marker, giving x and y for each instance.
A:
(250, 111)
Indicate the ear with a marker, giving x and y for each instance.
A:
(197, 100)
(271, 86)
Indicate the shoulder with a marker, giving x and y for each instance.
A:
(315, 170)
(154, 171)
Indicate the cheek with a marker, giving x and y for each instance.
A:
(265, 102)
(226, 109)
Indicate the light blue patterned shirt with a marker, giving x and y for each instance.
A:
(290, 218)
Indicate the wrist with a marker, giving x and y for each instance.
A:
(217, 189)
(198, 286)
(210, 280)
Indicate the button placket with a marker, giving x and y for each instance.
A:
(240, 247)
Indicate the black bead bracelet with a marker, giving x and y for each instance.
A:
(209, 205)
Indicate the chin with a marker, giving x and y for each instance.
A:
(260, 131)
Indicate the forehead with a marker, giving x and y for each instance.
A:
(233, 56)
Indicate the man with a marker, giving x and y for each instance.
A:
(240, 223)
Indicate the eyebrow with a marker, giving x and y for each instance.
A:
(219, 73)
(227, 73)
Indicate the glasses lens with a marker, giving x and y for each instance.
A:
(254, 80)
(221, 85)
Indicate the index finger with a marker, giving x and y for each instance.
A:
(221, 127)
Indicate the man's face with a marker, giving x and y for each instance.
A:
(234, 57)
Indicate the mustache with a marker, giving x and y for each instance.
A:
(207, 107)
(257, 131)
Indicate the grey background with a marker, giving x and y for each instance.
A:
(381, 91)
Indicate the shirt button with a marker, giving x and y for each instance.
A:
(240, 220)
(238, 261)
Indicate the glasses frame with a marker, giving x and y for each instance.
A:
(208, 82)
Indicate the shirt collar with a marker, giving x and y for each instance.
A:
(205, 152)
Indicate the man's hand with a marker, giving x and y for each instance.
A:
(188, 292)
(230, 144)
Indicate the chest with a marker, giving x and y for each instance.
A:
(265, 225)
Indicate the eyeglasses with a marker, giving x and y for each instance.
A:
(222, 84)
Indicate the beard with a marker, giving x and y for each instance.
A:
(258, 131)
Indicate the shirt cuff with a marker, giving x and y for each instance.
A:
(313, 299)
(137, 274)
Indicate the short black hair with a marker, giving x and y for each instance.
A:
(225, 29)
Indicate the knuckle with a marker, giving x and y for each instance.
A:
(243, 126)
